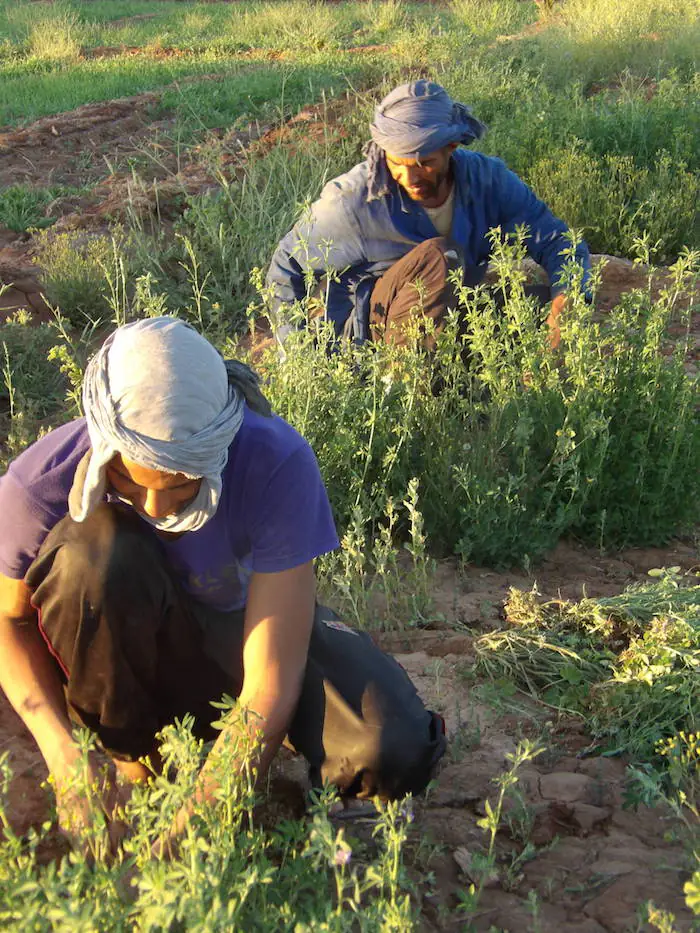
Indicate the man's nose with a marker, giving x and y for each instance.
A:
(157, 503)
(413, 174)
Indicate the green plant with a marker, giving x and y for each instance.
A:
(614, 202)
(369, 583)
(676, 786)
(230, 231)
(483, 865)
(80, 273)
(465, 736)
(31, 388)
(71, 355)
(229, 873)
(662, 920)
(22, 207)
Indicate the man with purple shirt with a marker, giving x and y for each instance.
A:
(159, 552)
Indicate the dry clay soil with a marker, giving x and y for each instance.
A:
(595, 862)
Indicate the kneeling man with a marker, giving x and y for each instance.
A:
(159, 552)
(390, 230)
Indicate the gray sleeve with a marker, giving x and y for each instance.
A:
(325, 239)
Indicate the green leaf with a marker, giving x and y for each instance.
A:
(691, 889)
(571, 674)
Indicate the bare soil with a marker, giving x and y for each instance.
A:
(71, 148)
(593, 863)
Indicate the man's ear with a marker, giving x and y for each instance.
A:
(451, 147)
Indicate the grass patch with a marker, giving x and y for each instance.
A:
(613, 164)
(267, 93)
(28, 92)
(23, 207)
(46, 33)
(595, 39)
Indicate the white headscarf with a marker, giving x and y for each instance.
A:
(161, 395)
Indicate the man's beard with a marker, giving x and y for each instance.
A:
(428, 190)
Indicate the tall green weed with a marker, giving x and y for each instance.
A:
(77, 271)
(230, 231)
(369, 581)
(512, 446)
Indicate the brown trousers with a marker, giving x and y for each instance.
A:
(417, 286)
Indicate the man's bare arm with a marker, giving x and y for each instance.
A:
(278, 622)
(29, 678)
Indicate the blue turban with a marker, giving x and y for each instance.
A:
(412, 121)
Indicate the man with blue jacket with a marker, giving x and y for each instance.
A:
(387, 233)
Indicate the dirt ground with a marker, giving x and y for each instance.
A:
(593, 863)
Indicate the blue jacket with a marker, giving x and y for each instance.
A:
(358, 239)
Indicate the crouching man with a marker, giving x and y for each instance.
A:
(389, 233)
(159, 552)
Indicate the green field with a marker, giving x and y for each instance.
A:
(173, 203)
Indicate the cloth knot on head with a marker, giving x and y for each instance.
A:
(412, 121)
(161, 395)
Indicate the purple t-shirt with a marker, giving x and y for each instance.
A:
(273, 512)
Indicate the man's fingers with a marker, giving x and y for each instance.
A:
(556, 308)
(554, 332)
(554, 338)
(84, 800)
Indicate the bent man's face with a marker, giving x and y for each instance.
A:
(426, 180)
(151, 492)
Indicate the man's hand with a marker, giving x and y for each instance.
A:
(557, 306)
(86, 789)
(277, 628)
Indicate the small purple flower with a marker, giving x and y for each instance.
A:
(407, 812)
(342, 856)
